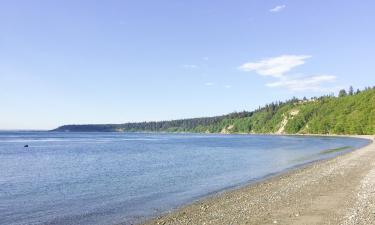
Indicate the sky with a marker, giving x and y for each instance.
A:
(86, 61)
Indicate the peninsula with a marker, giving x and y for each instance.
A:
(351, 112)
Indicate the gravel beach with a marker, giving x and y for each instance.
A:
(336, 191)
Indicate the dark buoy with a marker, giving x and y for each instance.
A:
(26, 146)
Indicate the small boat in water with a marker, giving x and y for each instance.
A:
(26, 146)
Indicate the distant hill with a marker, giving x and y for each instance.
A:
(349, 113)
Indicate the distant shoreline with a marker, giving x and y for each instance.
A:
(315, 193)
(319, 115)
(216, 133)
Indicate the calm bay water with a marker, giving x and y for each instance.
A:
(109, 178)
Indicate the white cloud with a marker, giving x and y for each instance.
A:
(276, 66)
(209, 84)
(277, 8)
(190, 66)
(205, 58)
(310, 83)
(227, 86)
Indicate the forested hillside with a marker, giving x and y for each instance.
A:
(349, 113)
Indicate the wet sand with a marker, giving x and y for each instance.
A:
(335, 191)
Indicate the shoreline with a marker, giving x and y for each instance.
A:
(291, 196)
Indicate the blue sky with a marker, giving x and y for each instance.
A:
(74, 62)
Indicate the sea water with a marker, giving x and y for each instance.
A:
(111, 178)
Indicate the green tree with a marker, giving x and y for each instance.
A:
(351, 90)
(342, 93)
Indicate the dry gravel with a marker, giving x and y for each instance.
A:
(335, 191)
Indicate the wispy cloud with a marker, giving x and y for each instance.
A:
(310, 83)
(276, 66)
(278, 8)
(190, 66)
(227, 86)
(209, 84)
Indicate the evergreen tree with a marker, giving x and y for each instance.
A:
(351, 90)
(342, 93)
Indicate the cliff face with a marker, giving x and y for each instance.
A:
(352, 114)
